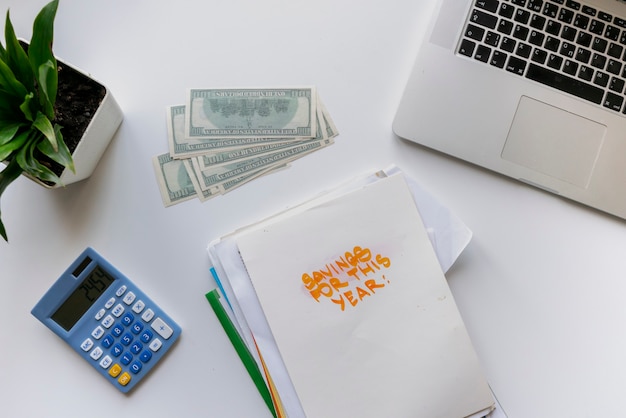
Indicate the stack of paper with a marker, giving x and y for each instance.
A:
(343, 305)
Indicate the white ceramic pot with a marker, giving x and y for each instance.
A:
(95, 140)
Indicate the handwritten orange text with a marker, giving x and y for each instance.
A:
(350, 279)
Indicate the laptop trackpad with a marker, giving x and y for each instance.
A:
(554, 142)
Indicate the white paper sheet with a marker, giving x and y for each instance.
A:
(448, 235)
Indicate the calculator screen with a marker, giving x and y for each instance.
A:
(81, 299)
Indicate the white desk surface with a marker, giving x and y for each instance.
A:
(542, 285)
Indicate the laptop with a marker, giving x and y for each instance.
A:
(532, 89)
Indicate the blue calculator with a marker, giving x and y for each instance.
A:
(107, 320)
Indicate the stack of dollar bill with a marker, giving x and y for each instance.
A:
(223, 138)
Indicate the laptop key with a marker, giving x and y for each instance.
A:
(474, 32)
(492, 39)
(516, 65)
(585, 73)
(506, 10)
(565, 83)
(482, 53)
(551, 10)
(613, 101)
(508, 44)
(467, 48)
(555, 61)
(535, 5)
(490, 5)
(498, 59)
(484, 19)
(570, 67)
(539, 55)
(617, 84)
(601, 79)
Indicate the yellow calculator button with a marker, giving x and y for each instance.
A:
(124, 379)
(115, 370)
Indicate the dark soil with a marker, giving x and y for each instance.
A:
(78, 98)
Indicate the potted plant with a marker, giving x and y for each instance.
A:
(39, 136)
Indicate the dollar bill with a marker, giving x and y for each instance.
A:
(328, 123)
(215, 176)
(173, 179)
(238, 135)
(181, 147)
(203, 195)
(234, 183)
(207, 161)
(216, 159)
(251, 112)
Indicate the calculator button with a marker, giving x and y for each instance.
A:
(155, 344)
(117, 330)
(117, 350)
(108, 341)
(98, 332)
(124, 379)
(100, 314)
(96, 353)
(127, 339)
(107, 321)
(115, 370)
(145, 356)
(126, 358)
(162, 328)
(87, 344)
(148, 315)
(120, 291)
(146, 335)
(106, 362)
(136, 347)
(109, 303)
(127, 319)
(129, 298)
(136, 367)
(138, 306)
(136, 328)
(118, 310)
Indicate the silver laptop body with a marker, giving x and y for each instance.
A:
(546, 110)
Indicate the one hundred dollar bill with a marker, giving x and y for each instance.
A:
(251, 112)
(174, 182)
(328, 123)
(215, 159)
(232, 184)
(214, 176)
(181, 147)
(203, 195)
(206, 161)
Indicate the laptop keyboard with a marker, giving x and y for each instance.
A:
(563, 44)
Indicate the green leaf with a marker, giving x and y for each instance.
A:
(11, 172)
(17, 143)
(40, 48)
(9, 83)
(16, 57)
(3, 53)
(63, 155)
(26, 159)
(43, 125)
(27, 108)
(48, 83)
(8, 131)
